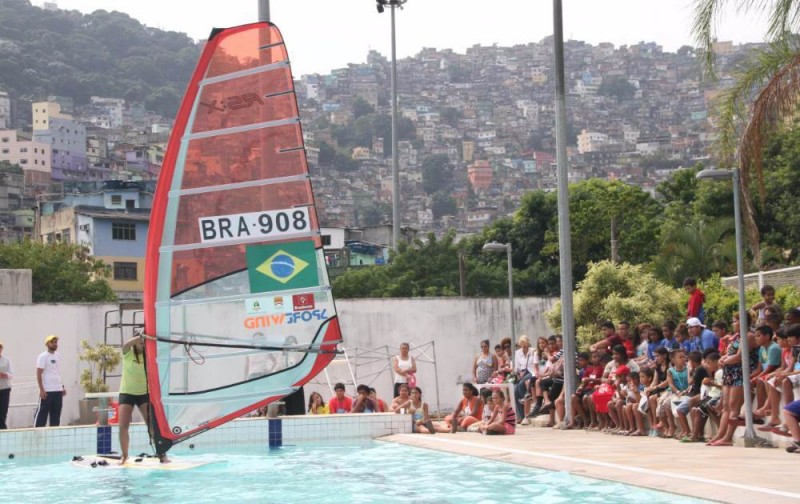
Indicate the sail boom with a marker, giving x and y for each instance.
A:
(176, 399)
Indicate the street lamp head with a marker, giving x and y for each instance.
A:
(380, 4)
(495, 247)
(712, 174)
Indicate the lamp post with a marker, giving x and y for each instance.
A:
(744, 345)
(499, 248)
(263, 10)
(564, 237)
(394, 4)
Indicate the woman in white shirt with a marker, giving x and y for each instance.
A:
(525, 360)
(403, 365)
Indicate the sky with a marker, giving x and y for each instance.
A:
(325, 34)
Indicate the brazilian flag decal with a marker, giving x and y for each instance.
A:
(282, 266)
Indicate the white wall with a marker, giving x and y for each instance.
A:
(16, 286)
(455, 325)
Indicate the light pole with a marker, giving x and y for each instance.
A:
(564, 237)
(499, 248)
(263, 10)
(744, 345)
(394, 4)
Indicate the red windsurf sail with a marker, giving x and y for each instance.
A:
(238, 309)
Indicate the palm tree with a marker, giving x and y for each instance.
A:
(764, 95)
(696, 250)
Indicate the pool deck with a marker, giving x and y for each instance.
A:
(724, 474)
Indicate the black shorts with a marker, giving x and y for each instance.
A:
(134, 400)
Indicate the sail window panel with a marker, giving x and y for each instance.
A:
(251, 99)
(247, 49)
(219, 206)
(245, 156)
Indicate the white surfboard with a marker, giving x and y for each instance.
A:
(147, 463)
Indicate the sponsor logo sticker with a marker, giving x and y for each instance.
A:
(266, 305)
(306, 316)
(302, 302)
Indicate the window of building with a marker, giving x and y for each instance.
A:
(326, 240)
(123, 231)
(5, 139)
(23, 161)
(125, 270)
(5, 151)
(23, 149)
(116, 199)
(130, 204)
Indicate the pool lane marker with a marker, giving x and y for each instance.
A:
(611, 465)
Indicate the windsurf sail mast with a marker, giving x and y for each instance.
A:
(238, 309)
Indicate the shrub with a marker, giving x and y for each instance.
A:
(618, 292)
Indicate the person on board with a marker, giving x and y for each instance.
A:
(132, 390)
(51, 388)
(6, 374)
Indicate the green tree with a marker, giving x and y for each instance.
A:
(443, 204)
(763, 96)
(436, 173)
(424, 268)
(450, 116)
(617, 87)
(62, 272)
(597, 206)
(618, 292)
(697, 249)
(362, 108)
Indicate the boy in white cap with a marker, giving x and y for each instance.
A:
(51, 389)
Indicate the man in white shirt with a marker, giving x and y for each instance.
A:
(5, 387)
(51, 389)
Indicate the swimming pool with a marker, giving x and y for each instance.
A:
(364, 472)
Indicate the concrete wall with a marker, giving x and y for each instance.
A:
(16, 286)
(455, 326)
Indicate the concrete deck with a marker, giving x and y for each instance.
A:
(725, 474)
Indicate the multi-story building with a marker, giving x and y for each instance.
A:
(480, 174)
(32, 156)
(5, 111)
(112, 220)
(66, 138)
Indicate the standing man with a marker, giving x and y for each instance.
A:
(51, 389)
(5, 387)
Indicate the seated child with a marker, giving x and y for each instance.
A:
(503, 419)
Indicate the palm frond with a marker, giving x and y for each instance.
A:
(784, 17)
(705, 15)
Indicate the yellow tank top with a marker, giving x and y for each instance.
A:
(134, 381)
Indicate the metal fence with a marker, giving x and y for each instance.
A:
(776, 278)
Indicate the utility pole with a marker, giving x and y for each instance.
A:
(564, 239)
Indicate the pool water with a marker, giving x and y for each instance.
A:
(358, 473)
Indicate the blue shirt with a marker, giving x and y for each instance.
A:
(669, 344)
(709, 340)
(651, 350)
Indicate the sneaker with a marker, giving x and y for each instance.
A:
(794, 447)
(526, 421)
(535, 411)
